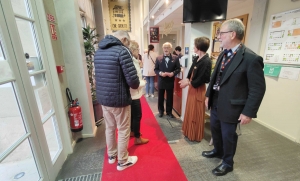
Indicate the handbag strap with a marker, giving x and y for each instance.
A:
(151, 59)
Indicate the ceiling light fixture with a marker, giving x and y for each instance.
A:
(167, 1)
(152, 16)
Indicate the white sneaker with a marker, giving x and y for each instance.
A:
(130, 161)
(147, 95)
(112, 159)
(152, 95)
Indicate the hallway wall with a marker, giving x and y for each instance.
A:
(239, 9)
(87, 7)
(70, 29)
(280, 108)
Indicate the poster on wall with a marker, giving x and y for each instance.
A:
(283, 38)
(119, 13)
(154, 34)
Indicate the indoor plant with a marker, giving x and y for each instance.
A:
(90, 40)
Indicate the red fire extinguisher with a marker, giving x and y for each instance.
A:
(74, 113)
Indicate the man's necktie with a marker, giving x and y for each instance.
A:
(167, 60)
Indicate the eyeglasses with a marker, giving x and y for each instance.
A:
(222, 32)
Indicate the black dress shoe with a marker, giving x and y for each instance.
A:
(222, 169)
(160, 115)
(211, 154)
(171, 115)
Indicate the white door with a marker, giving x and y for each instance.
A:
(31, 146)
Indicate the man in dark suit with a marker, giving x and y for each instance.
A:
(235, 93)
(167, 66)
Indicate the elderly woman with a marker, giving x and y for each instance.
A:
(136, 94)
(199, 74)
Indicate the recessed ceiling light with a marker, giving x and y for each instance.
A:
(167, 1)
(152, 16)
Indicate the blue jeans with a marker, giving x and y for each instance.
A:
(150, 83)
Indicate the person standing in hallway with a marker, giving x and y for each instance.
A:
(235, 93)
(148, 72)
(167, 66)
(136, 94)
(199, 74)
(178, 51)
(115, 73)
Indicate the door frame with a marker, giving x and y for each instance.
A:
(43, 36)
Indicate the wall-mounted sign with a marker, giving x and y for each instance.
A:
(50, 18)
(186, 50)
(53, 31)
(154, 34)
(272, 70)
(119, 14)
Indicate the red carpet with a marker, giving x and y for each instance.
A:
(156, 160)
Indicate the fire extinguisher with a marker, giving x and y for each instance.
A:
(74, 113)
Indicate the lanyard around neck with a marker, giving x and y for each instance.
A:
(224, 62)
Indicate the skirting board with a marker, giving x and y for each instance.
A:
(85, 136)
(272, 128)
(90, 135)
(276, 130)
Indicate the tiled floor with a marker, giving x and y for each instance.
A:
(261, 154)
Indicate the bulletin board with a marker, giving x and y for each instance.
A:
(283, 39)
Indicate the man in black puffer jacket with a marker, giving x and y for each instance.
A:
(115, 73)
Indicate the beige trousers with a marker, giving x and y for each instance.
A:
(117, 118)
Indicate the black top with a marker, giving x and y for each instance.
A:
(202, 71)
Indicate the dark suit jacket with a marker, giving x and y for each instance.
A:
(173, 66)
(242, 87)
(202, 70)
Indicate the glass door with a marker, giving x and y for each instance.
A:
(18, 151)
(32, 134)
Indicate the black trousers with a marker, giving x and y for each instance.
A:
(136, 116)
(169, 101)
(224, 137)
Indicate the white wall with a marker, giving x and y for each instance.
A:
(192, 31)
(280, 107)
(87, 7)
(238, 8)
(70, 29)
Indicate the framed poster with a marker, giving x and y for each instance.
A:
(154, 34)
(216, 48)
(119, 13)
(283, 38)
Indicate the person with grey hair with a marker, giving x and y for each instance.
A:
(167, 66)
(115, 73)
(234, 94)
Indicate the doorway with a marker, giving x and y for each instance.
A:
(31, 139)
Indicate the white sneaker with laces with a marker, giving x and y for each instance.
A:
(112, 159)
(130, 161)
(152, 95)
(147, 95)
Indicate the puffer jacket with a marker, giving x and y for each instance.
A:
(114, 72)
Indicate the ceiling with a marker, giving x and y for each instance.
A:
(162, 14)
